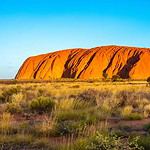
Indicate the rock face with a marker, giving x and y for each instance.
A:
(94, 63)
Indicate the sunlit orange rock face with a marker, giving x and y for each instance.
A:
(94, 63)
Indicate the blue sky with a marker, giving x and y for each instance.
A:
(31, 27)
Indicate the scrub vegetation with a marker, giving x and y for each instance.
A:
(78, 115)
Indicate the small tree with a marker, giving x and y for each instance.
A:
(115, 78)
(105, 75)
(148, 81)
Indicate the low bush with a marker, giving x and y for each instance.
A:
(71, 115)
(17, 103)
(147, 127)
(144, 141)
(115, 78)
(107, 142)
(134, 116)
(72, 121)
(128, 114)
(69, 122)
(21, 141)
(7, 93)
(42, 105)
(88, 96)
(94, 97)
(69, 127)
(147, 110)
(148, 81)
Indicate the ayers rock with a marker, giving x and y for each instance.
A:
(94, 63)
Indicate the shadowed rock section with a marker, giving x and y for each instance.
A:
(127, 62)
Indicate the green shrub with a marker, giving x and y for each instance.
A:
(89, 116)
(80, 144)
(12, 108)
(71, 115)
(134, 116)
(6, 94)
(23, 141)
(42, 105)
(94, 115)
(107, 142)
(145, 142)
(71, 121)
(17, 103)
(105, 75)
(2, 98)
(147, 127)
(148, 81)
(115, 78)
(68, 127)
